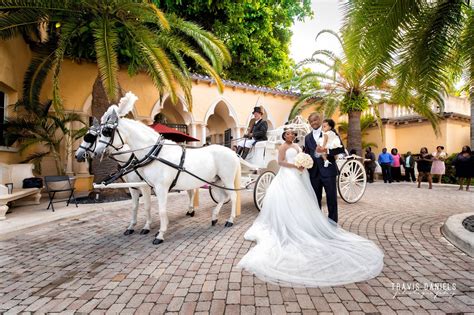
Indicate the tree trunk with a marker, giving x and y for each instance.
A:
(354, 134)
(471, 97)
(101, 169)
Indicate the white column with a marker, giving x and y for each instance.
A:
(203, 134)
(237, 133)
(80, 168)
(69, 144)
(193, 133)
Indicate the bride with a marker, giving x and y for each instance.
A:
(296, 244)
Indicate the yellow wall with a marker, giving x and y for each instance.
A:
(14, 60)
(457, 135)
(413, 136)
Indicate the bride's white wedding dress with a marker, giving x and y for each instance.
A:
(297, 244)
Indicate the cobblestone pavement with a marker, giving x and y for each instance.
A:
(87, 265)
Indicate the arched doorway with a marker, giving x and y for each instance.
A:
(173, 115)
(221, 123)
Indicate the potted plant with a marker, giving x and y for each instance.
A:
(39, 126)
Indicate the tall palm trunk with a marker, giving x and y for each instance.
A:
(471, 96)
(100, 103)
(354, 134)
(101, 169)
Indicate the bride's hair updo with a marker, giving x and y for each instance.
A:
(292, 131)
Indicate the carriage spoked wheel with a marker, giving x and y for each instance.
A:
(261, 186)
(352, 181)
(212, 192)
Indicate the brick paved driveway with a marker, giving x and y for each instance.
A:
(88, 266)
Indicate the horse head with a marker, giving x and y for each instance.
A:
(88, 142)
(109, 125)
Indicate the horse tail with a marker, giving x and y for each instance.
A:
(238, 172)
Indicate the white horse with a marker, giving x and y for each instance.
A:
(87, 146)
(216, 164)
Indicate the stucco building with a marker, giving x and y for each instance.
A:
(213, 114)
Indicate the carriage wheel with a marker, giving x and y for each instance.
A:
(352, 181)
(261, 186)
(214, 198)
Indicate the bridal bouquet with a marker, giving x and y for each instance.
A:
(303, 159)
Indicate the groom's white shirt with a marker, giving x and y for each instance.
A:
(317, 133)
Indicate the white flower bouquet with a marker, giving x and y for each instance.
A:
(304, 160)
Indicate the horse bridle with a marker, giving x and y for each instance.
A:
(108, 130)
(90, 138)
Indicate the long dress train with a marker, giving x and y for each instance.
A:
(298, 245)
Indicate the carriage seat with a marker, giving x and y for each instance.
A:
(15, 173)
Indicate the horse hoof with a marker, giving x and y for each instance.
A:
(128, 232)
(144, 231)
(191, 214)
(228, 224)
(157, 241)
(214, 222)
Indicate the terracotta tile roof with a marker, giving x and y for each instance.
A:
(242, 85)
(417, 118)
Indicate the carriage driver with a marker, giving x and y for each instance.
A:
(257, 133)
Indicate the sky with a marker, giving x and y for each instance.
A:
(327, 15)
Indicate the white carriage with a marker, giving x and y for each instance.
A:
(261, 166)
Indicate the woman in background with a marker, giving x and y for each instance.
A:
(424, 166)
(464, 163)
(438, 168)
(396, 166)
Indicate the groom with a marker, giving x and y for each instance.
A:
(321, 176)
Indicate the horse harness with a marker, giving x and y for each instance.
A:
(134, 163)
(90, 138)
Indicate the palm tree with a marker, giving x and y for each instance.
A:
(423, 40)
(366, 122)
(349, 86)
(112, 33)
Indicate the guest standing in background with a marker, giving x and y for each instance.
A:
(409, 166)
(424, 166)
(385, 160)
(438, 168)
(395, 167)
(369, 163)
(464, 163)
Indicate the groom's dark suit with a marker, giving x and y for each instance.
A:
(321, 176)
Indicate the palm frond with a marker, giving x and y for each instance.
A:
(18, 22)
(213, 48)
(326, 53)
(38, 69)
(331, 32)
(157, 63)
(303, 102)
(106, 41)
